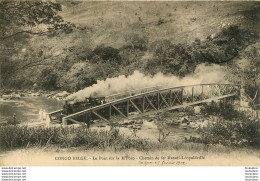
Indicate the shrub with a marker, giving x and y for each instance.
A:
(226, 111)
(160, 21)
(105, 54)
(162, 126)
(13, 137)
(47, 79)
(237, 133)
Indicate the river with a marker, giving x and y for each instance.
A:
(27, 108)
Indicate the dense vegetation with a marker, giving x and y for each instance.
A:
(15, 137)
(237, 133)
(230, 128)
(44, 52)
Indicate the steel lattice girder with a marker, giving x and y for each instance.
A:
(158, 100)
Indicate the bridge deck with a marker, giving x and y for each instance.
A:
(181, 106)
(156, 101)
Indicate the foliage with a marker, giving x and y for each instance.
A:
(13, 120)
(19, 21)
(136, 41)
(182, 59)
(237, 133)
(26, 60)
(101, 71)
(226, 111)
(105, 55)
(130, 55)
(230, 127)
(171, 58)
(13, 137)
(162, 126)
(226, 44)
(247, 69)
(77, 77)
(47, 79)
(19, 14)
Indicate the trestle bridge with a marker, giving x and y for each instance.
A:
(143, 102)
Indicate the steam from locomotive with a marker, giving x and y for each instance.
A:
(202, 74)
(123, 86)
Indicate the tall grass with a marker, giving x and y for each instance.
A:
(14, 137)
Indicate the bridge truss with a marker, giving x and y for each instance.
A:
(142, 104)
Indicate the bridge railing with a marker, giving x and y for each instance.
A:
(54, 113)
(129, 93)
(156, 100)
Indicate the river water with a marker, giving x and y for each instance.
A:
(27, 108)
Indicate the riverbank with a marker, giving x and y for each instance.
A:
(207, 131)
(17, 94)
(26, 108)
(67, 146)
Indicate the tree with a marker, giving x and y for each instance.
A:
(160, 49)
(161, 123)
(24, 17)
(171, 58)
(136, 41)
(103, 70)
(77, 77)
(226, 44)
(247, 69)
(105, 55)
(130, 55)
(19, 20)
(47, 79)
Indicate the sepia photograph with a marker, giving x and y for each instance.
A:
(129, 83)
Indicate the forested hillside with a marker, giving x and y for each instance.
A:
(71, 45)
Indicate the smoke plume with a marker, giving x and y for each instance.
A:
(202, 74)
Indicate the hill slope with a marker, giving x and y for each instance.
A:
(110, 22)
(142, 36)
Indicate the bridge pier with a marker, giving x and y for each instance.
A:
(241, 95)
(64, 122)
(182, 90)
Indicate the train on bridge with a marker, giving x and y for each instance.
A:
(71, 106)
(142, 102)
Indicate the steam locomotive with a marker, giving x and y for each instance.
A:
(70, 108)
(74, 107)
